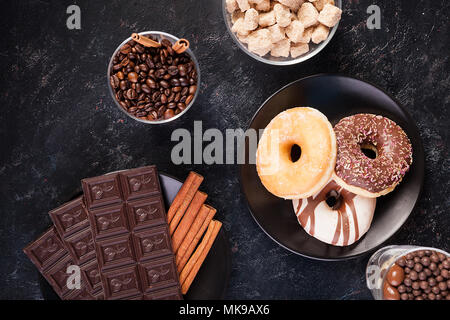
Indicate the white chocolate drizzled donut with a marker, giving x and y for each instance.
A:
(341, 224)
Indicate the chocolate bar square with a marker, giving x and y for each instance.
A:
(145, 213)
(121, 283)
(158, 274)
(109, 221)
(46, 250)
(152, 243)
(115, 252)
(139, 183)
(81, 246)
(69, 217)
(101, 191)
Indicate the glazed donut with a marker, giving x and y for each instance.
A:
(290, 178)
(335, 215)
(391, 154)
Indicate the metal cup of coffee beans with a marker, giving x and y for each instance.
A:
(152, 78)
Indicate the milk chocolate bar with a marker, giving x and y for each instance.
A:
(50, 256)
(72, 224)
(131, 235)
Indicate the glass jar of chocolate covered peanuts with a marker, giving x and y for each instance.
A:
(151, 80)
(409, 273)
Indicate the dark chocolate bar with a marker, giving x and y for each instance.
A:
(72, 224)
(131, 234)
(50, 256)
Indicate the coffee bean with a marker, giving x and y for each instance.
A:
(169, 113)
(192, 89)
(133, 77)
(182, 70)
(164, 84)
(175, 82)
(146, 88)
(114, 81)
(172, 70)
(183, 82)
(189, 99)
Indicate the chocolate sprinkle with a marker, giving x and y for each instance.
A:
(394, 152)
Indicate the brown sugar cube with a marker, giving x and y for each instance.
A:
(251, 19)
(308, 14)
(277, 33)
(320, 34)
(267, 19)
(282, 14)
(295, 31)
(281, 48)
(292, 4)
(260, 42)
(243, 5)
(330, 15)
(232, 5)
(319, 4)
(263, 6)
(298, 49)
(306, 36)
(239, 27)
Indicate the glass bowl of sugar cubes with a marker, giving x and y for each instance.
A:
(282, 32)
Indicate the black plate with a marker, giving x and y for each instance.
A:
(212, 279)
(337, 97)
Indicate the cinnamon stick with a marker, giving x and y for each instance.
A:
(192, 210)
(189, 272)
(184, 195)
(182, 259)
(185, 226)
(190, 235)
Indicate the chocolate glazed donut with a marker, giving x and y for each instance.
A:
(373, 155)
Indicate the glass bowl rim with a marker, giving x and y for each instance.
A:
(111, 90)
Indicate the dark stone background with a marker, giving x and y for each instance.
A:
(59, 124)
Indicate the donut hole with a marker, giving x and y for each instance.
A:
(369, 150)
(296, 153)
(333, 199)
